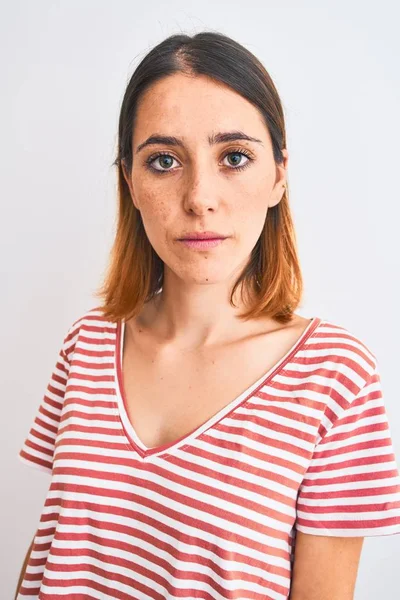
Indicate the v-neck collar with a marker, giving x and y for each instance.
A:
(132, 437)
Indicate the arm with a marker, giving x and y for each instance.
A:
(325, 567)
(21, 576)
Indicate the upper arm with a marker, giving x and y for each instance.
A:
(325, 567)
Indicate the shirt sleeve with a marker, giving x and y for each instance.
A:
(352, 485)
(38, 447)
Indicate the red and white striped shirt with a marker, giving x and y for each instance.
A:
(213, 515)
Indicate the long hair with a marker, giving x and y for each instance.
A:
(272, 278)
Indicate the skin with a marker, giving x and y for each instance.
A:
(202, 191)
(325, 567)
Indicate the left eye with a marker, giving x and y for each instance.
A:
(238, 154)
(168, 158)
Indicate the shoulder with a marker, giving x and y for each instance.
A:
(343, 354)
(338, 365)
(344, 339)
(89, 326)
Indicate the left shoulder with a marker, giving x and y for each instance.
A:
(343, 349)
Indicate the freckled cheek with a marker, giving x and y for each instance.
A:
(156, 215)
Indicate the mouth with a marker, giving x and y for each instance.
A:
(202, 244)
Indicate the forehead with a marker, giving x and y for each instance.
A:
(193, 106)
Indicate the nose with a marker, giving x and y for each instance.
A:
(201, 192)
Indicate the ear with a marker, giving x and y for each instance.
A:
(280, 180)
(129, 183)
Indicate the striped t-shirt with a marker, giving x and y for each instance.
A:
(214, 514)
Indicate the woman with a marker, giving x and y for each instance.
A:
(203, 439)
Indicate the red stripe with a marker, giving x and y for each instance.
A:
(214, 512)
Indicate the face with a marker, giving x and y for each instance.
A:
(224, 187)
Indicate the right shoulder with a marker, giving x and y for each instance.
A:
(90, 324)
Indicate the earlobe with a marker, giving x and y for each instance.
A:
(276, 202)
(280, 185)
(279, 192)
(281, 169)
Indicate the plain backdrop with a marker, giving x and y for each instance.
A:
(64, 68)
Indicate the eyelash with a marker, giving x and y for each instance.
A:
(242, 151)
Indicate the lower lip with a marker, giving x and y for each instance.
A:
(203, 244)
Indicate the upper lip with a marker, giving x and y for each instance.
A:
(204, 235)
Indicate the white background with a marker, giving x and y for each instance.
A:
(64, 67)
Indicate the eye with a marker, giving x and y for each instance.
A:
(240, 153)
(168, 158)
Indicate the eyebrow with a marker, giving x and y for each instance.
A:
(216, 138)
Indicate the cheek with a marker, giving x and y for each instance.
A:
(156, 215)
(154, 205)
(254, 191)
(252, 206)
(250, 217)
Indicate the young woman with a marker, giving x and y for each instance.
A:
(203, 439)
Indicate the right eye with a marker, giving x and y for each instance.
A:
(151, 160)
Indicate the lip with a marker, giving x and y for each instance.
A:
(204, 235)
(202, 244)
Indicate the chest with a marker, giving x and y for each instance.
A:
(168, 394)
